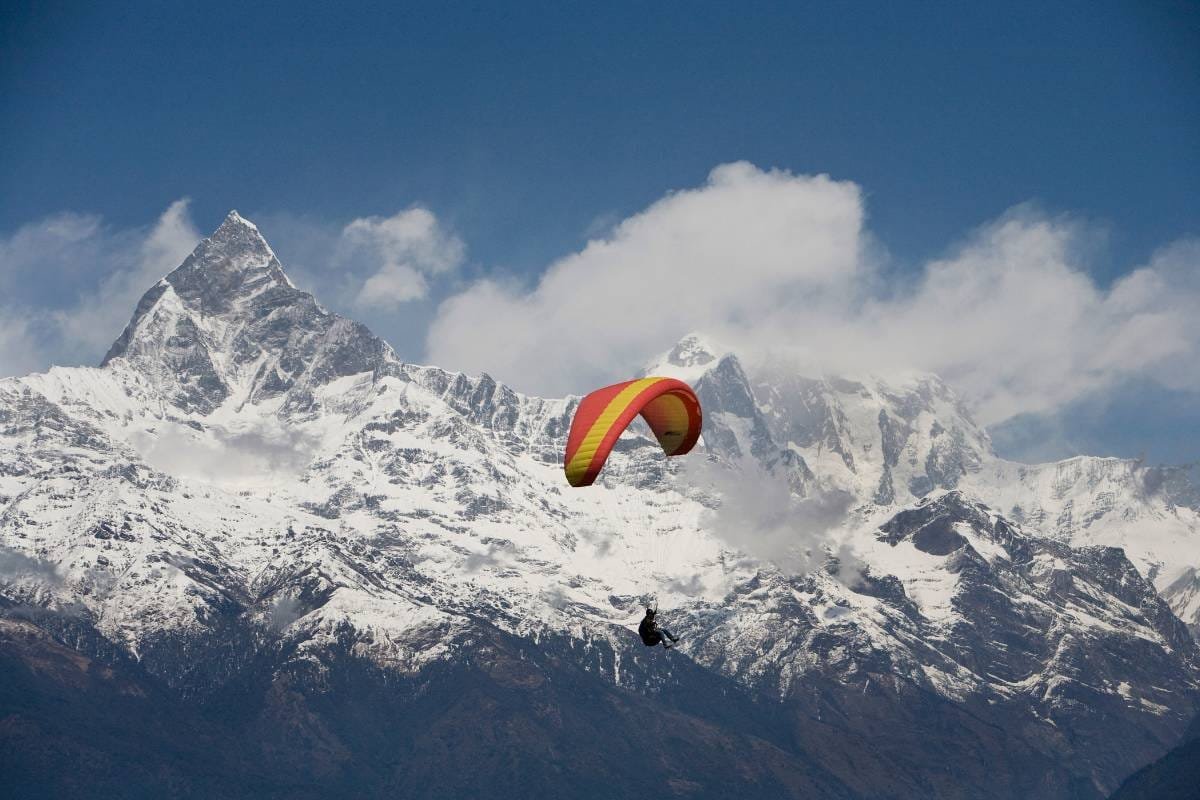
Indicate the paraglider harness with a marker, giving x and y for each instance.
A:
(653, 635)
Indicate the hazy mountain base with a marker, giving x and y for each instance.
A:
(1175, 776)
(505, 718)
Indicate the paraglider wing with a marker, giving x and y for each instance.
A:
(669, 406)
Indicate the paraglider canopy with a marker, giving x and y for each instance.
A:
(669, 406)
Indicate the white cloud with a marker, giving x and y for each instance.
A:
(742, 246)
(399, 252)
(1014, 320)
(392, 285)
(1160, 302)
(764, 260)
(771, 261)
(170, 241)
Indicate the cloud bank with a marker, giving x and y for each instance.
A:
(777, 263)
(772, 263)
(731, 251)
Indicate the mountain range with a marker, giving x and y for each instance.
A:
(254, 553)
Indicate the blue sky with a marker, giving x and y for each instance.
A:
(527, 130)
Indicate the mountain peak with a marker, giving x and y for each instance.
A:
(227, 321)
(230, 267)
(238, 233)
(693, 350)
(233, 218)
(689, 359)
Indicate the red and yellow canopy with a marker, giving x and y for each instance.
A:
(669, 406)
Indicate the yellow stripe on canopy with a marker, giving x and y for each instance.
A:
(582, 458)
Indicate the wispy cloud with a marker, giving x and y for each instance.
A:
(284, 611)
(70, 283)
(371, 265)
(757, 514)
(15, 565)
(228, 458)
(498, 554)
(142, 264)
(20, 352)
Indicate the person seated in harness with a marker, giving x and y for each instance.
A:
(652, 634)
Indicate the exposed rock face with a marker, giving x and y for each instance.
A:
(228, 323)
(254, 510)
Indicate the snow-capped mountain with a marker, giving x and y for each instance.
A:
(251, 488)
(895, 442)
